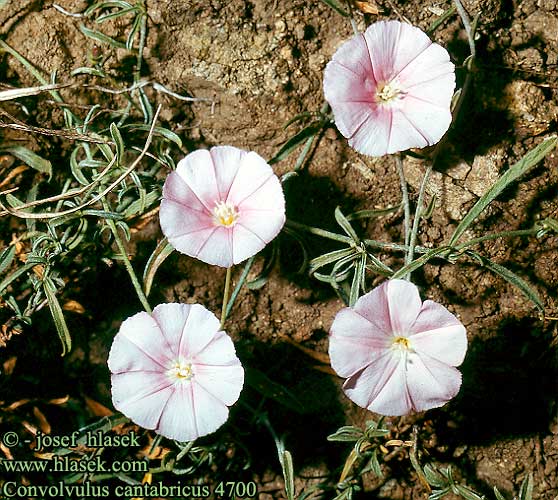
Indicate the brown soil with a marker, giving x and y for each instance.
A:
(261, 62)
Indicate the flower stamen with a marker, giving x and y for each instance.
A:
(388, 91)
(401, 343)
(225, 214)
(181, 371)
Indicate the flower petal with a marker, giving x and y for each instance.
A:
(198, 172)
(177, 221)
(190, 413)
(226, 162)
(348, 77)
(172, 319)
(375, 308)
(223, 382)
(354, 343)
(431, 383)
(245, 243)
(253, 172)
(266, 223)
(216, 248)
(392, 46)
(141, 396)
(373, 136)
(139, 344)
(201, 328)
(381, 387)
(432, 64)
(404, 305)
(439, 334)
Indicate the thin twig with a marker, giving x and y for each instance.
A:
(64, 196)
(50, 215)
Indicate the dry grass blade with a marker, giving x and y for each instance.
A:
(18, 125)
(8, 95)
(129, 170)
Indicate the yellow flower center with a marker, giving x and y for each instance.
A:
(225, 214)
(387, 92)
(181, 371)
(401, 343)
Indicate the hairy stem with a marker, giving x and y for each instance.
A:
(226, 297)
(405, 196)
(127, 263)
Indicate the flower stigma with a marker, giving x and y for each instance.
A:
(388, 92)
(181, 371)
(225, 214)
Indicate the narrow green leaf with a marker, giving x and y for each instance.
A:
(101, 37)
(118, 141)
(297, 139)
(498, 495)
(29, 158)
(438, 494)
(160, 131)
(526, 489)
(241, 281)
(370, 214)
(347, 433)
(286, 460)
(75, 167)
(346, 225)
(421, 261)
(511, 278)
(531, 159)
(133, 31)
(84, 70)
(139, 206)
(467, 493)
(7, 257)
(336, 7)
(374, 465)
(57, 316)
(116, 14)
(446, 15)
(109, 4)
(13, 201)
(355, 285)
(297, 118)
(328, 258)
(270, 389)
(269, 264)
(433, 476)
(146, 107)
(159, 255)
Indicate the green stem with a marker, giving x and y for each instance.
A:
(416, 221)
(495, 236)
(405, 196)
(226, 297)
(319, 232)
(238, 286)
(394, 246)
(127, 263)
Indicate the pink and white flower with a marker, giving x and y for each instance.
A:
(390, 89)
(174, 371)
(222, 206)
(397, 353)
